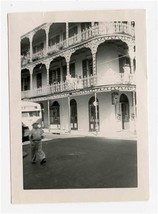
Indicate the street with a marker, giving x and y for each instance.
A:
(83, 162)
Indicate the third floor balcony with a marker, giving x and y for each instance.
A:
(59, 37)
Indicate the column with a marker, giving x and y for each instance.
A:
(67, 34)
(48, 114)
(47, 68)
(31, 45)
(67, 57)
(131, 55)
(94, 51)
(31, 80)
(47, 38)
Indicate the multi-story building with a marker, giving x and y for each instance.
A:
(82, 74)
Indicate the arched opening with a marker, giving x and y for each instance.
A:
(25, 80)
(124, 104)
(38, 44)
(93, 114)
(55, 115)
(57, 34)
(86, 66)
(39, 72)
(73, 110)
(25, 51)
(57, 70)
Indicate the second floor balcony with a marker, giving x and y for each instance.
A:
(73, 84)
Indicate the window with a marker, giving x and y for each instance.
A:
(34, 113)
(54, 76)
(85, 26)
(73, 31)
(39, 80)
(25, 83)
(25, 114)
(64, 36)
(72, 70)
(54, 40)
(38, 47)
(64, 72)
(55, 113)
(87, 68)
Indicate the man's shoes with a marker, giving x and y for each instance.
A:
(43, 161)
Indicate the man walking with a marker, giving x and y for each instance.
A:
(35, 138)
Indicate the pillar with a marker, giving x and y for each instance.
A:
(48, 103)
(31, 79)
(47, 38)
(67, 57)
(47, 68)
(132, 56)
(31, 50)
(94, 51)
(67, 34)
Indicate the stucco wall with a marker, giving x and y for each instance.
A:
(108, 122)
(106, 63)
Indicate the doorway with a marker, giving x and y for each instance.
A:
(124, 111)
(73, 109)
(93, 114)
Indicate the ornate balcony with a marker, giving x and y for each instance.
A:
(100, 29)
(57, 47)
(73, 84)
(103, 28)
(25, 60)
(38, 55)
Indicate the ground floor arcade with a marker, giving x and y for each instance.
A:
(104, 112)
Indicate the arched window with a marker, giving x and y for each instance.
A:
(55, 114)
(73, 107)
(93, 114)
(124, 107)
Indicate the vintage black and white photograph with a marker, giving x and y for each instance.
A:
(78, 104)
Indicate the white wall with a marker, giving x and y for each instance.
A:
(108, 122)
(107, 112)
(105, 65)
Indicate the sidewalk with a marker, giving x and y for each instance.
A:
(75, 134)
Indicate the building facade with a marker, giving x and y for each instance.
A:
(82, 74)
